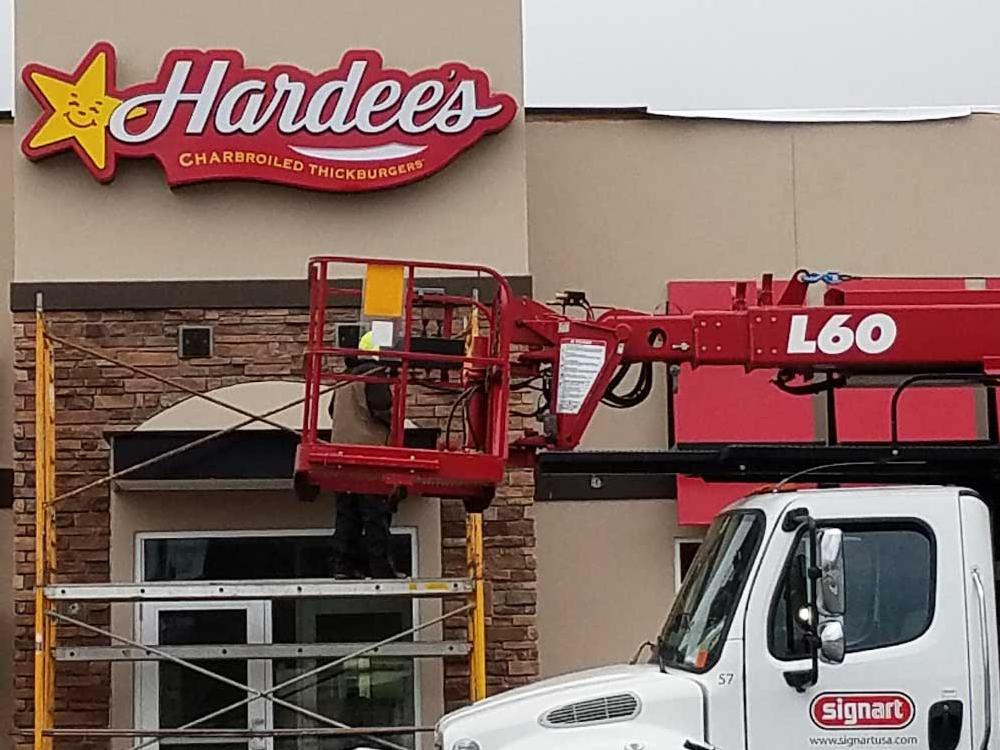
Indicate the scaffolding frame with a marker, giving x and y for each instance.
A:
(48, 594)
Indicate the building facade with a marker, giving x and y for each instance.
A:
(611, 202)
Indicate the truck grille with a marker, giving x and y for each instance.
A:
(608, 708)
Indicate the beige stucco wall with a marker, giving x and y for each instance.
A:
(899, 199)
(69, 227)
(6, 274)
(618, 207)
(136, 512)
(606, 579)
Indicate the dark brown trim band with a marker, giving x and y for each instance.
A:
(245, 293)
(588, 113)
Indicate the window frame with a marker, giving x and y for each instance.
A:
(679, 542)
(847, 525)
(139, 569)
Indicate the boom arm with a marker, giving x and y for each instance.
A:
(851, 333)
(579, 361)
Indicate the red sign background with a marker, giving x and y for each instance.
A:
(357, 127)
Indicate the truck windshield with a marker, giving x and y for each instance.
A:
(696, 627)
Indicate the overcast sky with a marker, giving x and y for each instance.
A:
(689, 56)
(768, 54)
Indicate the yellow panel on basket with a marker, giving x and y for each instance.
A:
(383, 292)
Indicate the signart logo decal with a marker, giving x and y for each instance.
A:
(862, 710)
(360, 126)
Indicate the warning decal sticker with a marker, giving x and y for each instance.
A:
(580, 362)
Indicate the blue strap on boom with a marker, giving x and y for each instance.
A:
(830, 278)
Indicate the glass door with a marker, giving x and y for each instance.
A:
(171, 695)
(366, 691)
(369, 691)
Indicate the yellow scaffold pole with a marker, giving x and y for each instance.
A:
(474, 558)
(477, 615)
(45, 543)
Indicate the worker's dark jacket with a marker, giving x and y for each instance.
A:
(362, 412)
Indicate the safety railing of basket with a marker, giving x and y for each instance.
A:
(485, 375)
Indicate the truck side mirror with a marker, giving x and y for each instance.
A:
(832, 644)
(830, 593)
(822, 617)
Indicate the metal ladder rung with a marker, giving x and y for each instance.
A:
(275, 589)
(92, 732)
(412, 650)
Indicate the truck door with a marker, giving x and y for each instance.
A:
(906, 667)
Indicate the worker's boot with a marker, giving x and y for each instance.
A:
(382, 567)
(343, 570)
(347, 567)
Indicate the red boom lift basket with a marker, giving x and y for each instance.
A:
(455, 347)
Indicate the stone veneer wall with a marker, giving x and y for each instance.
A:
(93, 395)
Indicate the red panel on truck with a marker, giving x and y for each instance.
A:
(722, 404)
(924, 413)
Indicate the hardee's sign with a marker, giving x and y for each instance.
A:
(206, 116)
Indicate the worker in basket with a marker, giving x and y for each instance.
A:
(361, 413)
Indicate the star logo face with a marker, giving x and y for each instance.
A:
(77, 110)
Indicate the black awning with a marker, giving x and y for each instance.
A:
(244, 455)
(241, 455)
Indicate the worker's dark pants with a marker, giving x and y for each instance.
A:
(361, 529)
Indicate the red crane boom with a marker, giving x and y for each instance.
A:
(576, 357)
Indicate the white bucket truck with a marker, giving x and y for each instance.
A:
(809, 619)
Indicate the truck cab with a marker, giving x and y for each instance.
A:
(844, 617)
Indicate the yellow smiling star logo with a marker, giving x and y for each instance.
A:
(77, 109)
